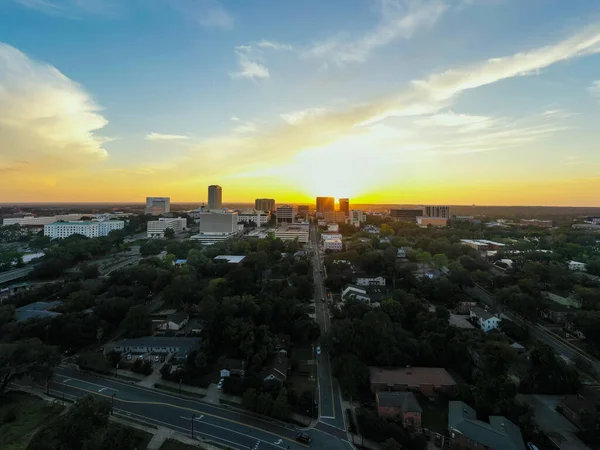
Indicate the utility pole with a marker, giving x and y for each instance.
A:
(179, 385)
(112, 406)
(193, 417)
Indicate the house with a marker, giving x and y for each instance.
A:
(358, 293)
(484, 319)
(229, 259)
(37, 310)
(401, 254)
(577, 266)
(571, 300)
(426, 380)
(370, 281)
(465, 307)
(174, 322)
(403, 405)
(556, 312)
(586, 401)
(278, 368)
(233, 367)
(467, 432)
(179, 347)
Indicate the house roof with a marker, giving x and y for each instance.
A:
(160, 341)
(404, 400)
(38, 310)
(411, 376)
(231, 259)
(178, 317)
(279, 366)
(233, 364)
(482, 313)
(500, 433)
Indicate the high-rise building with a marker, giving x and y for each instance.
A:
(158, 205)
(440, 212)
(219, 222)
(357, 217)
(264, 204)
(334, 216)
(409, 214)
(325, 204)
(285, 214)
(345, 206)
(215, 197)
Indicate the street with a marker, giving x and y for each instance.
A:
(223, 425)
(330, 406)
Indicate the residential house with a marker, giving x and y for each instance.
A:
(233, 367)
(402, 405)
(484, 319)
(465, 307)
(557, 313)
(571, 300)
(577, 266)
(356, 292)
(427, 380)
(469, 433)
(229, 259)
(401, 254)
(278, 368)
(174, 322)
(587, 401)
(370, 281)
(37, 310)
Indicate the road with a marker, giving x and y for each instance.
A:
(223, 425)
(539, 332)
(331, 414)
(15, 274)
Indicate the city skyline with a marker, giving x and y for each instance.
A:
(490, 102)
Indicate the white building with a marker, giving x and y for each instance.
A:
(356, 293)
(486, 320)
(158, 205)
(212, 238)
(218, 222)
(260, 218)
(291, 232)
(577, 266)
(285, 214)
(32, 221)
(330, 236)
(174, 322)
(333, 244)
(157, 228)
(357, 217)
(333, 227)
(370, 281)
(61, 230)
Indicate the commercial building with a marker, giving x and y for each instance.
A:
(482, 245)
(333, 245)
(484, 319)
(427, 380)
(258, 217)
(215, 197)
(291, 232)
(37, 310)
(157, 228)
(30, 220)
(467, 432)
(357, 217)
(179, 347)
(303, 209)
(334, 216)
(264, 204)
(158, 205)
(218, 222)
(587, 227)
(407, 214)
(442, 212)
(370, 281)
(425, 222)
(230, 259)
(536, 223)
(326, 236)
(577, 266)
(325, 204)
(285, 214)
(345, 206)
(211, 238)
(333, 227)
(90, 229)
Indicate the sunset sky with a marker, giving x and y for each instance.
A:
(383, 101)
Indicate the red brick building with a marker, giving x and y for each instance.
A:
(401, 405)
(427, 380)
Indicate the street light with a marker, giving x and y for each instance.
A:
(193, 417)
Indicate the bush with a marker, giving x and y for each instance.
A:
(143, 367)
(10, 415)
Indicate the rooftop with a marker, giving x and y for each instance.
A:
(404, 400)
(411, 376)
(159, 341)
(231, 259)
(37, 310)
(481, 313)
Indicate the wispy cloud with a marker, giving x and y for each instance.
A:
(243, 126)
(165, 137)
(297, 117)
(250, 65)
(273, 45)
(594, 89)
(399, 19)
(215, 16)
(71, 9)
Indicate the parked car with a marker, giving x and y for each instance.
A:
(318, 350)
(532, 446)
(303, 437)
(220, 384)
(128, 357)
(157, 358)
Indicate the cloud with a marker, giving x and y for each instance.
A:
(594, 89)
(165, 137)
(273, 45)
(215, 16)
(399, 19)
(243, 126)
(47, 121)
(297, 117)
(249, 68)
(71, 9)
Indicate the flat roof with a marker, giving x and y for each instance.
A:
(159, 341)
(231, 259)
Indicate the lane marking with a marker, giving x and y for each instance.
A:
(191, 410)
(88, 382)
(68, 379)
(102, 390)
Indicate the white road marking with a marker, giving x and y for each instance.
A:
(68, 379)
(103, 389)
(87, 382)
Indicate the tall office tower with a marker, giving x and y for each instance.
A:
(325, 204)
(158, 205)
(215, 197)
(345, 206)
(442, 212)
(264, 204)
(285, 214)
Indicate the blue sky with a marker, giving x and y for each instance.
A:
(453, 101)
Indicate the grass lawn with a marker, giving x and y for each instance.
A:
(29, 413)
(434, 415)
(301, 383)
(171, 444)
(302, 352)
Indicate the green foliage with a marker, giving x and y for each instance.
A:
(152, 247)
(169, 233)
(137, 322)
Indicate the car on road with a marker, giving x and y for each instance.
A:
(220, 384)
(304, 438)
(532, 446)
(319, 350)
(128, 357)
(157, 358)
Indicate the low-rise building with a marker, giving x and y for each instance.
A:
(469, 433)
(400, 405)
(212, 238)
(230, 259)
(258, 218)
(291, 232)
(37, 310)
(285, 214)
(233, 367)
(482, 245)
(335, 227)
(407, 214)
(484, 319)
(585, 402)
(277, 368)
(427, 380)
(355, 292)
(157, 228)
(370, 281)
(90, 229)
(577, 266)
(335, 245)
(536, 223)
(425, 222)
(174, 322)
(556, 312)
(179, 347)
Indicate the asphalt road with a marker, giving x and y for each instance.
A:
(226, 426)
(15, 274)
(330, 406)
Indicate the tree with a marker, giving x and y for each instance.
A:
(169, 233)
(281, 408)
(439, 261)
(249, 399)
(26, 358)
(391, 444)
(89, 271)
(385, 230)
(137, 322)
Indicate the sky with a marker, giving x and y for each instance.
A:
(493, 102)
